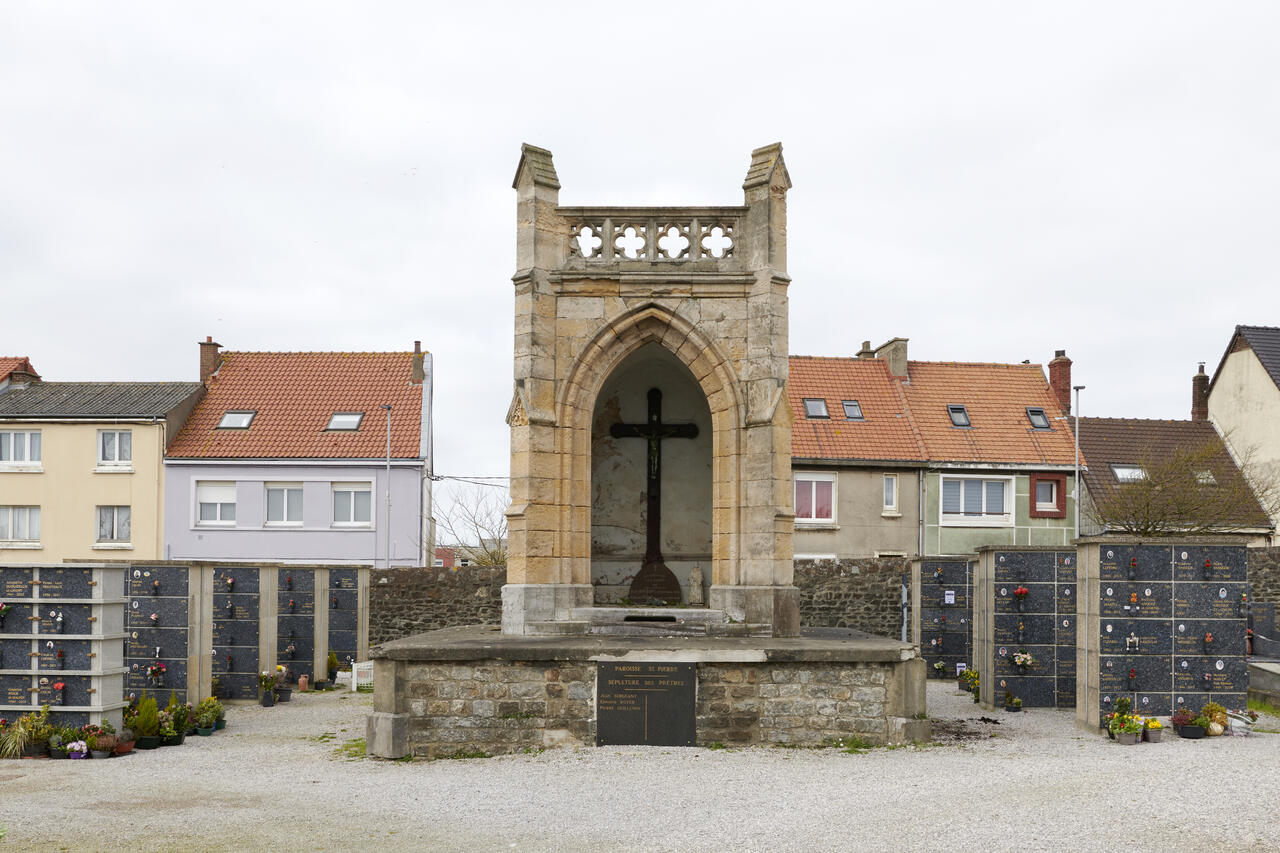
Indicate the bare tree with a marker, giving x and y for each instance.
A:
(1186, 491)
(472, 519)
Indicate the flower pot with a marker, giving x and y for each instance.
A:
(268, 698)
(1127, 738)
(333, 676)
(124, 747)
(1191, 732)
(284, 694)
(147, 742)
(57, 753)
(172, 740)
(203, 732)
(100, 753)
(35, 750)
(1153, 735)
(219, 725)
(77, 755)
(1013, 709)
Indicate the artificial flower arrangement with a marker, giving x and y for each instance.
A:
(4, 609)
(1023, 658)
(155, 670)
(1021, 593)
(267, 680)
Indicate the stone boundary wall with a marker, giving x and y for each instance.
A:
(1264, 574)
(863, 594)
(408, 601)
(501, 707)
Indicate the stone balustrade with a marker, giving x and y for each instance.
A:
(611, 235)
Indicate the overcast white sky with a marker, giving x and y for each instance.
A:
(993, 181)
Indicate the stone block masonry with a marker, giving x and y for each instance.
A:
(404, 602)
(471, 691)
(863, 594)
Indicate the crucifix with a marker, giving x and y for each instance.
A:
(654, 580)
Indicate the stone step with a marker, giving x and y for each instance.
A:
(648, 615)
(556, 629)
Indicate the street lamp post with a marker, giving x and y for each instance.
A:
(386, 521)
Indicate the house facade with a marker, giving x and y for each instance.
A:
(315, 457)
(892, 456)
(81, 465)
(1243, 402)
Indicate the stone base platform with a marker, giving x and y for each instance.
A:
(476, 690)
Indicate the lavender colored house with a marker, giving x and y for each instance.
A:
(289, 458)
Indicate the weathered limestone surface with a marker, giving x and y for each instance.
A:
(594, 285)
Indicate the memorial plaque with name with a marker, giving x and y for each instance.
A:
(1117, 563)
(1065, 563)
(15, 583)
(58, 618)
(1034, 692)
(1067, 594)
(15, 654)
(65, 583)
(344, 579)
(59, 655)
(1037, 629)
(1040, 597)
(650, 704)
(1208, 637)
(14, 690)
(173, 680)
(1136, 637)
(75, 690)
(1225, 563)
(1211, 675)
(1135, 600)
(1025, 567)
(1211, 600)
(1044, 665)
(167, 581)
(1132, 673)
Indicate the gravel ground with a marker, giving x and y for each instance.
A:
(275, 780)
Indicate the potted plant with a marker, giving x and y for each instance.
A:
(124, 741)
(1127, 729)
(267, 682)
(284, 692)
(1181, 719)
(181, 712)
(26, 736)
(145, 723)
(101, 745)
(1152, 731)
(1217, 717)
(332, 665)
(1011, 702)
(940, 669)
(204, 723)
(77, 749)
(169, 735)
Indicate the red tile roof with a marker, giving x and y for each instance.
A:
(996, 397)
(294, 395)
(908, 420)
(10, 363)
(885, 432)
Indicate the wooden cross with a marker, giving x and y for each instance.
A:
(654, 580)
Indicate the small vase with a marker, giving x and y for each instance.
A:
(268, 698)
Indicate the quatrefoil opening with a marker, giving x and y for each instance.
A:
(586, 241)
(717, 241)
(630, 240)
(674, 242)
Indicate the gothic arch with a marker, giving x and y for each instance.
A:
(622, 335)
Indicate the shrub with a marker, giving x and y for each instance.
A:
(147, 720)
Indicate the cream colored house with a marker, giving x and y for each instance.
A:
(1244, 404)
(82, 465)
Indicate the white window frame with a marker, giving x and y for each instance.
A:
(114, 540)
(1128, 473)
(9, 441)
(9, 526)
(351, 488)
(334, 421)
(888, 509)
(230, 415)
(1004, 519)
(286, 488)
(117, 464)
(1052, 504)
(817, 477)
(215, 489)
(858, 415)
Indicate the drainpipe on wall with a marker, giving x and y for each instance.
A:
(920, 513)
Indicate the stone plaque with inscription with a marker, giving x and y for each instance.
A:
(649, 704)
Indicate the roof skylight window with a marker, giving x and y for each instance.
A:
(959, 416)
(236, 420)
(1039, 420)
(852, 411)
(1128, 473)
(345, 421)
(815, 408)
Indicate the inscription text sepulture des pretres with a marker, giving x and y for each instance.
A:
(611, 304)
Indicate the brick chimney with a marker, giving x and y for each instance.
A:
(416, 373)
(209, 359)
(1060, 380)
(1200, 395)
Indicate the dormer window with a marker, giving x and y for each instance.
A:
(236, 420)
(1039, 420)
(815, 408)
(345, 421)
(959, 417)
(852, 411)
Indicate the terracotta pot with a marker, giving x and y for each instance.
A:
(124, 748)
